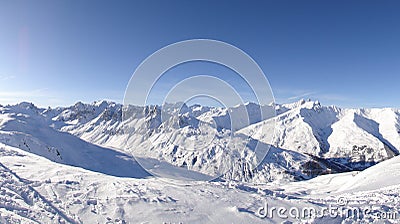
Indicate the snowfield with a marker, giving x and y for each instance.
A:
(75, 164)
(36, 190)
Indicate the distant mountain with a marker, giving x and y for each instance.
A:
(308, 139)
(27, 127)
(354, 136)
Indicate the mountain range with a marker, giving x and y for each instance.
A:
(303, 140)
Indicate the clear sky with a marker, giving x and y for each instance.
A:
(339, 52)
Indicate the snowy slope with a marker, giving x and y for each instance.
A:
(382, 175)
(56, 193)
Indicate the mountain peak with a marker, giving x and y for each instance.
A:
(302, 103)
(26, 105)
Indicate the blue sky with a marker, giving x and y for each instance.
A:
(339, 52)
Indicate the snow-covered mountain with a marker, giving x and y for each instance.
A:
(24, 126)
(351, 136)
(106, 182)
(355, 138)
(303, 140)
